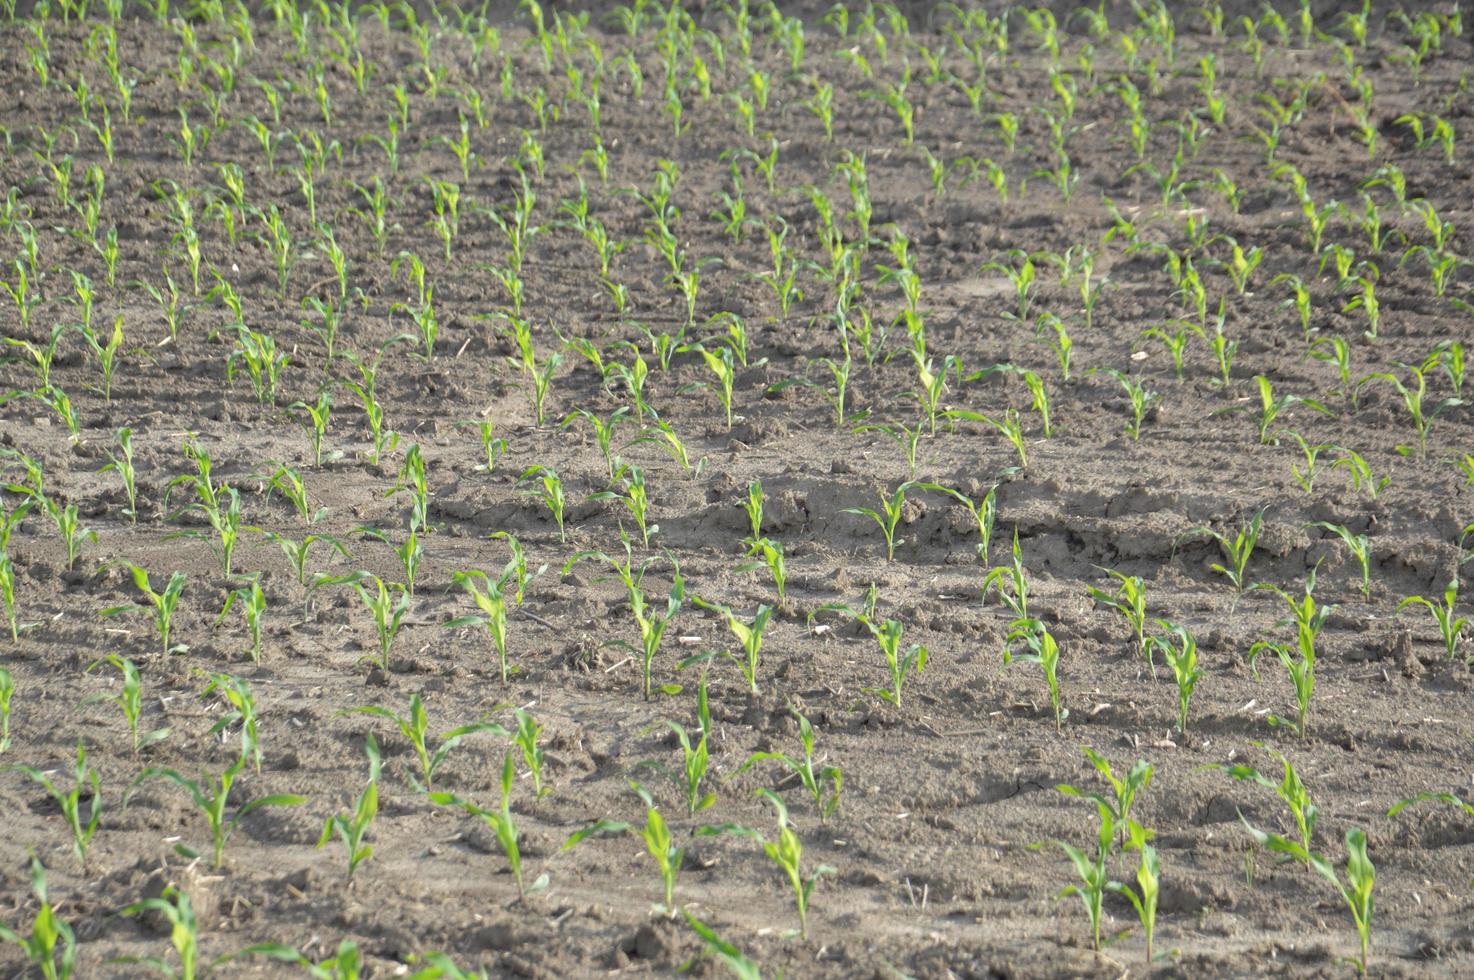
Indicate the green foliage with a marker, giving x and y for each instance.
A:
(352, 828)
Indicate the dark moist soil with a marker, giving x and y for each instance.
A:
(936, 868)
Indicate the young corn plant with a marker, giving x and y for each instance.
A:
(695, 756)
(502, 825)
(1355, 891)
(415, 727)
(548, 489)
(750, 635)
(1129, 602)
(1236, 549)
(7, 694)
(211, 796)
(823, 783)
(658, 841)
(175, 909)
(388, 603)
(771, 554)
(888, 516)
(1091, 866)
(86, 784)
(1039, 647)
(121, 463)
(161, 606)
(353, 828)
(984, 512)
(1450, 624)
(1182, 657)
(252, 600)
(652, 625)
(1413, 396)
(51, 945)
(1137, 396)
(492, 605)
(7, 596)
(1291, 790)
(635, 499)
(1011, 583)
(526, 739)
(130, 701)
(787, 853)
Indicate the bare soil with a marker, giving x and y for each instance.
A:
(936, 872)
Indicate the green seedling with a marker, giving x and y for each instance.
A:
(1356, 891)
(51, 946)
(287, 481)
(753, 505)
(414, 479)
(237, 695)
(1311, 452)
(984, 512)
(526, 738)
(86, 784)
(725, 953)
(388, 611)
(1450, 625)
(1360, 548)
(106, 354)
(225, 522)
(549, 490)
(252, 599)
(603, 431)
(1039, 647)
(7, 595)
(130, 700)
(68, 523)
(1129, 601)
(1114, 814)
(749, 635)
(658, 841)
(823, 784)
(1012, 585)
(1360, 473)
(1182, 658)
(351, 829)
(888, 517)
(344, 964)
(900, 663)
(176, 909)
(771, 553)
(410, 552)
(161, 605)
(1413, 395)
(1236, 550)
(1148, 885)
(1292, 791)
(121, 463)
(1270, 408)
(211, 796)
(491, 444)
(787, 853)
(492, 604)
(1137, 396)
(7, 694)
(297, 552)
(1308, 618)
(1091, 869)
(415, 727)
(501, 823)
(652, 626)
(909, 439)
(695, 755)
(635, 499)
(316, 417)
